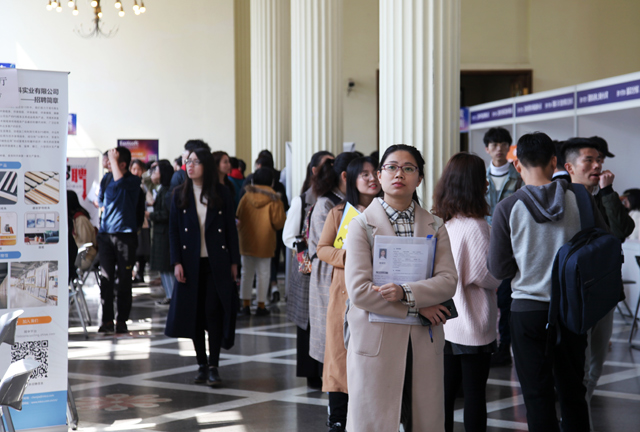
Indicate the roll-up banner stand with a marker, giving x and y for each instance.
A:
(33, 237)
(83, 177)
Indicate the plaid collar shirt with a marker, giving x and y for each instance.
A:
(402, 223)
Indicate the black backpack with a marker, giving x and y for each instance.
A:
(586, 280)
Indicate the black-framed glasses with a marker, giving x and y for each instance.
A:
(194, 162)
(392, 168)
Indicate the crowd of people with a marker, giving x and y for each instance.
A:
(212, 234)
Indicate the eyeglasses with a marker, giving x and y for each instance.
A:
(392, 169)
(493, 145)
(194, 162)
(366, 175)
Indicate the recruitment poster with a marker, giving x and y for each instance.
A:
(144, 149)
(83, 177)
(33, 238)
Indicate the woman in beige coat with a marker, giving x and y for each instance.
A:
(362, 188)
(381, 356)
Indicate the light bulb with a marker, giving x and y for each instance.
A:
(142, 8)
(99, 14)
(136, 8)
(118, 5)
(59, 8)
(121, 13)
(49, 6)
(94, 3)
(75, 11)
(71, 4)
(54, 4)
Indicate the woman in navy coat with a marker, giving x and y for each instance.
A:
(205, 255)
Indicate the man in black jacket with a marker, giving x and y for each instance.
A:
(584, 159)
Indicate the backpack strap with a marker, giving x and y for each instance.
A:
(583, 199)
(304, 213)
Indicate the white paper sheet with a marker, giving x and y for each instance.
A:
(401, 260)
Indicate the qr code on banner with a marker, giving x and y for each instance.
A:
(36, 350)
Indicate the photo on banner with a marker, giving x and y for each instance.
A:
(144, 149)
(33, 261)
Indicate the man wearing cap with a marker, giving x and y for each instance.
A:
(584, 160)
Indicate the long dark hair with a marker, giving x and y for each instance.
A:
(416, 155)
(217, 157)
(166, 172)
(209, 182)
(327, 177)
(354, 169)
(461, 188)
(74, 206)
(315, 161)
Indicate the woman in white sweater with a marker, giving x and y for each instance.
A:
(471, 338)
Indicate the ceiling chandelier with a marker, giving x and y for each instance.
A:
(97, 27)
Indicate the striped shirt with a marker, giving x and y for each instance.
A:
(402, 223)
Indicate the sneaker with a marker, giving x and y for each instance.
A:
(106, 328)
(245, 311)
(275, 295)
(121, 327)
(262, 312)
(336, 427)
(165, 302)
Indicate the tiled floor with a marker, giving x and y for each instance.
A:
(143, 381)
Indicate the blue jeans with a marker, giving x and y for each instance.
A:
(167, 282)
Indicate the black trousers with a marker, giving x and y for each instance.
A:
(538, 373)
(275, 261)
(116, 251)
(209, 320)
(471, 371)
(406, 411)
(306, 366)
(338, 403)
(504, 304)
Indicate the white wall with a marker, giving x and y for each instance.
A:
(167, 74)
(360, 58)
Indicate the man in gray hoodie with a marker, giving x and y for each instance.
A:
(528, 229)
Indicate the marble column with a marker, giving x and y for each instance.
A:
(242, 81)
(270, 78)
(420, 81)
(316, 82)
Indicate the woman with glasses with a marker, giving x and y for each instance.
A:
(470, 338)
(362, 188)
(205, 255)
(397, 368)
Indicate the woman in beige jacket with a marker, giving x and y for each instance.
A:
(362, 188)
(381, 356)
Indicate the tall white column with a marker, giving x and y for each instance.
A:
(270, 78)
(420, 81)
(316, 82)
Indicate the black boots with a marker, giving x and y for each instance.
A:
(201, 377)
(213, 377)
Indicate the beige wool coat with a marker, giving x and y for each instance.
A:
(334, 372)
(376, 357)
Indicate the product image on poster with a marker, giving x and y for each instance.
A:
(41, 228)
(41, 187)
(8, 187)
(33, 284)
(8, 228)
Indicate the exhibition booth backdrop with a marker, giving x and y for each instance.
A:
(609, 108)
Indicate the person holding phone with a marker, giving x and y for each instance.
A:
(470, 339)
(381, 378)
